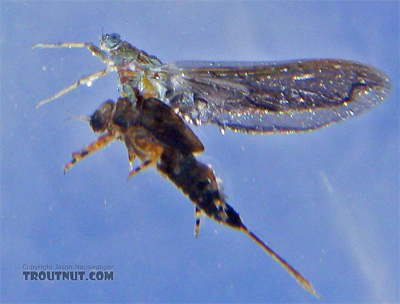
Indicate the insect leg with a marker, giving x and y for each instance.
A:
(144, 147)
(94, 146)
(84, 80)
(95, 50)
(294, 273)
(131, 158)
(197, 215)
(142, 166)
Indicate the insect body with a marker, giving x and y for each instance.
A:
(159, 137)
(259, 98)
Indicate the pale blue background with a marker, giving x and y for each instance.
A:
(327, 201)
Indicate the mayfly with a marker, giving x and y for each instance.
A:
(253, 97)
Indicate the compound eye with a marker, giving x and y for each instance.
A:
(114, 38)
(110, 41)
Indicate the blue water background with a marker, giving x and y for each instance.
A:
(327, 201)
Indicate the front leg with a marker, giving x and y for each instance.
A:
(89, 149)
(93, 49)
(84, 80)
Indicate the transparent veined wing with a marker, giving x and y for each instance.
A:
(287, 97)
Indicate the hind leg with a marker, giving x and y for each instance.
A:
(197, 216)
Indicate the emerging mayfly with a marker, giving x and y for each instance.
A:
(258, 97)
